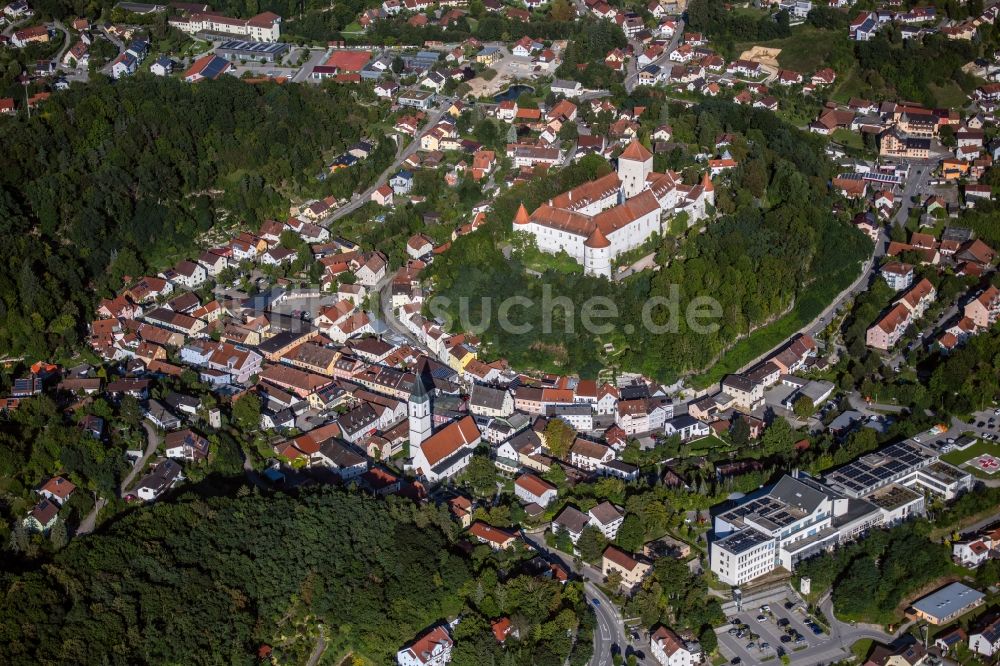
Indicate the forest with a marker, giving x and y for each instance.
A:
(212, 579)
(776, 244)
(110, 181)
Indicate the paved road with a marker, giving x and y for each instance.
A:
(315, 58)
(974, 528)
(153, 441)
(632, 77)
(318, 650)
(610, 631)
(66, 40)
(401, 155)
(9, 30)
(90, 520)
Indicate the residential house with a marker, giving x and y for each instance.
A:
(432, 648)
(530, 488)
(631, 570)
(607, 518)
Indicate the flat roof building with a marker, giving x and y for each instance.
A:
(236, 50)
(947, 603)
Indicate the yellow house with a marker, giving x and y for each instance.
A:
(631, 570)
(953, 169)
(459, 357)
(488, 55)
(429, 141)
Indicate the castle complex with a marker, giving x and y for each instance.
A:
(598, 221)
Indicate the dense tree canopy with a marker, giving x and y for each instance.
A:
(110, 181)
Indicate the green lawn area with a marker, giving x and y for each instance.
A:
(949, 95)
(849, 85)
(806, 50)
(537, 260)
(979, 448)
(861, 648)
(848, 138)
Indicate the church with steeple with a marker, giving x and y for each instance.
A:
(437, 455)
(600, 220)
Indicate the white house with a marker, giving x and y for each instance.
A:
(986, 641)
(607, 518)
(432, 648)
(530, 488)
(669, 650)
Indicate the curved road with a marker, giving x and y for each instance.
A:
(610, 631)
(153, 441)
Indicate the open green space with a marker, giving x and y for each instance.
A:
(806, 50)
(982, 447)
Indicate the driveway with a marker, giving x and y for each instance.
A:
(316, 57)
(153, 441)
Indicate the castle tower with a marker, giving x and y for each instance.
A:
(708, 188)
(634, 164)
(418, 408)
(597, 254)
(522, 217)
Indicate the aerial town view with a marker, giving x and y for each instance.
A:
(500, 332)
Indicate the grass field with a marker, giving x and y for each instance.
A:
(806, 50)
(949, 95)
(848, 138)
(979, 448)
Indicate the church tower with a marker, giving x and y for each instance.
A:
(418, 408)
(634, 164)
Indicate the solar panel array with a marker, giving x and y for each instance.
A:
(214, 68)
(764, 509)
(743, 540)
(878, 469)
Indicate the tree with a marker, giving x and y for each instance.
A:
(631, 534)
(397, 65)
(562, 10)
(591, 544)
(778, 438)
(559, 437)
(804, 407)
(58, 534)
(481, 474)
(246, 413)
(740, 432)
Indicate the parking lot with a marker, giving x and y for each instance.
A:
(758, 636)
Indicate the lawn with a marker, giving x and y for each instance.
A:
(806, 50)
(979, 448)
(848, 139)
(862, 648)
(949, 95)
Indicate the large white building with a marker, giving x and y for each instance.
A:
(598, 221)
(432, 648)
(799, 517)
(264, 27)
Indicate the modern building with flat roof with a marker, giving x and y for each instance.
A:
(236, 50)
(947, 603)
(904, 463)
(795, 519)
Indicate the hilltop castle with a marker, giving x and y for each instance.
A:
(598, 221)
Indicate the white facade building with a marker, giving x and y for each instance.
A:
(598, 221)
